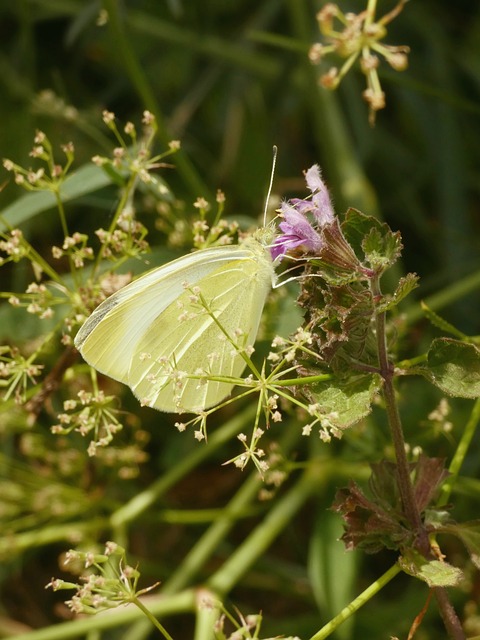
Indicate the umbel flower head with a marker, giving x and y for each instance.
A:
(358, 37)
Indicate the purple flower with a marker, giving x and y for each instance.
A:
(296, 227)
(319, 204)
(297, 231)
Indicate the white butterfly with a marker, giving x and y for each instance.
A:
(156, 333)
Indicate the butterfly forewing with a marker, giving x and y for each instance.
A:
(152, 333)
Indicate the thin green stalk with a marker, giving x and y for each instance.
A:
(460, 453)
(371, 10)
(330, 130)
(445, 297)
(209, 542)
(34, 256)
(208, 612)
(47, 535)
(61, 210)
(63, 221)
(225, 51)
(356, 604)
(148, 614)
(211, 539)
(126, 194)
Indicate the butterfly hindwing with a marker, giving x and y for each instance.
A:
(212, 326)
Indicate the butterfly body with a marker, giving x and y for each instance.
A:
(175, 327)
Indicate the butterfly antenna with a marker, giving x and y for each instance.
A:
(274, 162)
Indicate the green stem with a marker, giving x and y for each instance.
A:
(329, 127)
(212, 538)
(209, 542)
(48, 535)
(356, 604)
(34, 256)
(61, 211)
(63, 221)
(127, 192)
(208, 612)
(371, 10)
(460, 453)
(447, 296)
(138, 603)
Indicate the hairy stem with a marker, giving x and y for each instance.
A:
(449, 616)
(422, 542)
(395, 424)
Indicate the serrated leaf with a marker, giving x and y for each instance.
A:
(434, 572)
(344, 402)
(405, 286)
(356, 226)
(378, 243)
(439, 322)
(429, 475)
(382, 247)
(454, 367)
(440, 574)
(368, 525)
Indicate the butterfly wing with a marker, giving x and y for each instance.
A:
(139, 331)
(201, 336)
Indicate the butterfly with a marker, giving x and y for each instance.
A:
(167, 333)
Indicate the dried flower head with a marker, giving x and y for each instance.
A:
(358, 36)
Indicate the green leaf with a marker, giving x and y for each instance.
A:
(434, 572)
(382, 247)
(346, 401)
(379, 244)
(87, 179)
(405, 286)
(357, 225)
(454, 367)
